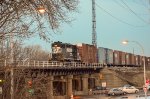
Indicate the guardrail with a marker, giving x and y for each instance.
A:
(53, 64)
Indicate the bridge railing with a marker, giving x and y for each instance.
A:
(59, 64)
(39, 64)
(51, 64)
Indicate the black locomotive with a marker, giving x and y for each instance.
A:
(64, 52)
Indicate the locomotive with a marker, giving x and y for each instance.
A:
(64, 52)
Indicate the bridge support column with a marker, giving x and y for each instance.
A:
(77, 84)
(85, 83)
(50, 88)
(97, 80)
(79, 87)
(69, 86)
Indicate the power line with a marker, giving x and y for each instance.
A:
(118, 18)
(119, 4)
(142, 2)
(134, 12)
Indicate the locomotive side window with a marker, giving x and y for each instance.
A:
(69, 49)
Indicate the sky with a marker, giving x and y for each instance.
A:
(116, 20)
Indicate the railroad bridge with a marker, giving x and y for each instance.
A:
(59, 80)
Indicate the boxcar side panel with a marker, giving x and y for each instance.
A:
(101, 55)
(148, 61)
(128, 58)
(109, 56)
(116, 56)
(122, 58)
(87, 52)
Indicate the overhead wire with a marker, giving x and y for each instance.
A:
(142, 2)
(119, 4)
(118, 18)
(134, 12)
(122, 5)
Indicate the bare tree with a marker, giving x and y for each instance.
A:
(20, 53)
(6, 50)
(22, 17)
(22, 89)
(35, 52)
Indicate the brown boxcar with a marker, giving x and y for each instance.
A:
(148, 61)
(144, 59)
(137, 60)
(133, 59)
(128, 58)
(122, 58)
(140, 60)
(87, 52)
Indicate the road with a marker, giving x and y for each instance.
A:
(139, 95)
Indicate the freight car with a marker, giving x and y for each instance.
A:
(147, 61)
(105, 56)
(87, 52)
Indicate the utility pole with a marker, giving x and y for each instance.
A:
(94, 37)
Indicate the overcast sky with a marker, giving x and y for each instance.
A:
(116, 20)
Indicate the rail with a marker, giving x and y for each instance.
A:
(53, 64)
